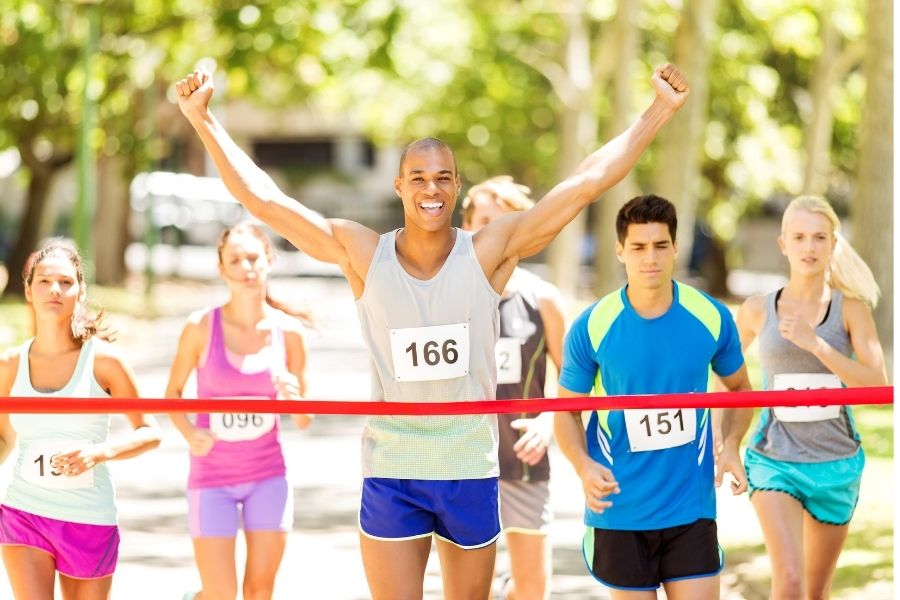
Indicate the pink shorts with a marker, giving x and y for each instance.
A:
(81, 551)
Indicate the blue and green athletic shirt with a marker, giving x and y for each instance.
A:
(612, 350)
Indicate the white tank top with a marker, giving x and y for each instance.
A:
(430, 341)
(36, 488)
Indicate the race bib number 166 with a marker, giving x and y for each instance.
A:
(430, 353)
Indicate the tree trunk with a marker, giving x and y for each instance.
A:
(578, 137)
(29, 228)
(678, 170)
(113, 208)
(608, 273)
(820, 124)
(873, 205)
(37, 202)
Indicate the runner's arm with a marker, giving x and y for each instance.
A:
(734, 425)
(336, 241)
(9, 364)
(597, 481)
(525, 233)
(295, 344)
(868, 369)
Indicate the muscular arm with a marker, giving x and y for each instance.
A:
(597, 481)
(734, 424)
(521, 234)
(338, 241)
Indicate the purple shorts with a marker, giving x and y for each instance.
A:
(265, 505)
(81, 550)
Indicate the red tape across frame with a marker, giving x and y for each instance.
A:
(844, 396)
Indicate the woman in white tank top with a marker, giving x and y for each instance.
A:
(59, 512)
(804, 465)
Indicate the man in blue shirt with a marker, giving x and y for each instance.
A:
(654, 336)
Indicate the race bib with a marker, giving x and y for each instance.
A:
(660, 429)
(509, 360)
(430, 353)
(806, 381)
(241, 427)
(37, 470)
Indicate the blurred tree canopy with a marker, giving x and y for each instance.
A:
(523, 87)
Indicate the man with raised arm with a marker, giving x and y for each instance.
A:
(427, 296)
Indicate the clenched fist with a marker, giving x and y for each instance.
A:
(194, 92)
(670, 85)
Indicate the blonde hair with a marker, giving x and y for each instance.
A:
(847, 271)
(505, 192)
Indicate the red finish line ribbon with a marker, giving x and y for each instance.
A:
(758, 399)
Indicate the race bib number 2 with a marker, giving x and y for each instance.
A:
(430, 353)
(806, 381)
(37, 468)
(508, 352)
(659, 429)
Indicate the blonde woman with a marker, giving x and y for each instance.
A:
(804, 465)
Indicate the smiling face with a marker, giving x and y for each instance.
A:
(807, 240)
(428, 186)
(54, 289)
(648, 253)
(244, 263)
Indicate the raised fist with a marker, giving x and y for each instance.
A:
(670, 85)
(194, 92)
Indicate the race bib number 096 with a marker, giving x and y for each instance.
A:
(37, 470)
(430, 353)
(508, 352)
(806, 381)
(660, 429)
(241, 427)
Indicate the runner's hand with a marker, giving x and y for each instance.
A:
(287, 386)
(598, 483)
(201, 441)
(194, 92)
(670, 85)
(534, 437)
(729, 461)
(798, 331)
(76, 462)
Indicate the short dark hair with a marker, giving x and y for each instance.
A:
(646, 209)
(426, 143)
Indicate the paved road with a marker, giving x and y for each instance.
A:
(322, 562)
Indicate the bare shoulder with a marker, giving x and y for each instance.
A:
(291, 326)
(9, 365)
(109, 360)
(856, 312)
(354, 236)
(753, 308)
(547, 292)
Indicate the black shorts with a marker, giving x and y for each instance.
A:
(642, 560)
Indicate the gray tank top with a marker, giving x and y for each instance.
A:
(430, 341)
(521, 369)
(785, 435)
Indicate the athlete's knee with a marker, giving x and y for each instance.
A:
(527, 590)
(258, 589)
(787, 583)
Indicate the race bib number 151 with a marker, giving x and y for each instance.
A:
(660, 429)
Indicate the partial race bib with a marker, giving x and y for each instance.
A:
(660, 429)
(430, 353)
(37, 470)
(806, 381)
(508, 352)
(241, 427)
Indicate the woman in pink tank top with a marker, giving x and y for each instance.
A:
(246, 348)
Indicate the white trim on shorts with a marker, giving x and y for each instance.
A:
(476, 546)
